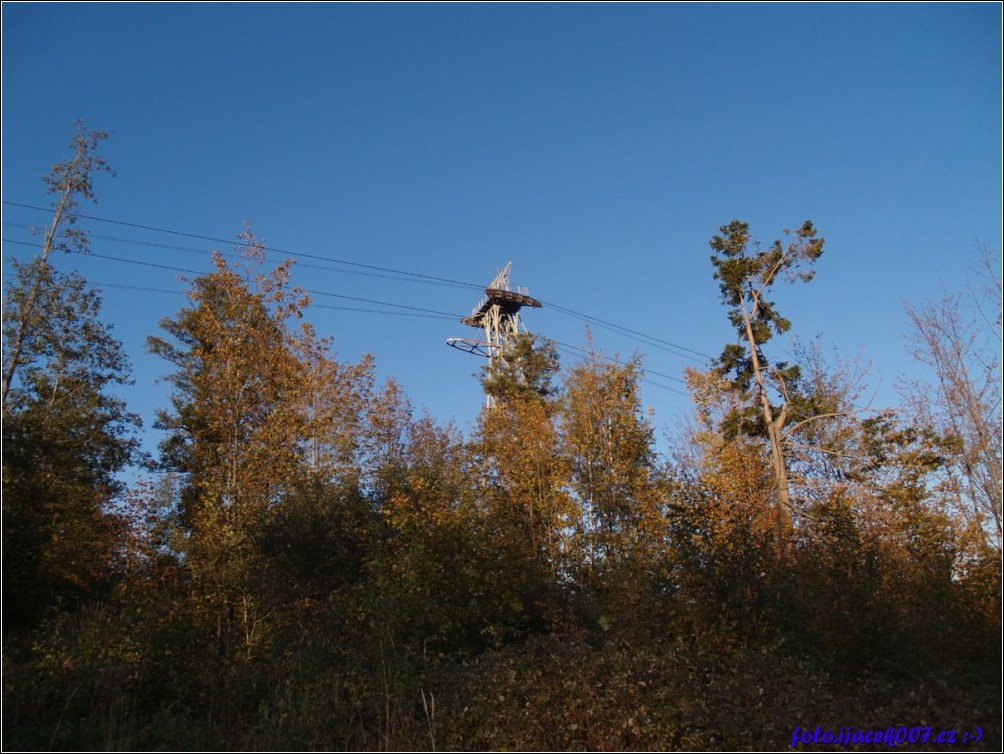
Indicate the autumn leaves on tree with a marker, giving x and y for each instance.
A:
(321, 566)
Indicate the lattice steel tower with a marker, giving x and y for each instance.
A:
(498, 315)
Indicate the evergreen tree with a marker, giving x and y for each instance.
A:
(746, 275)
(524, 369)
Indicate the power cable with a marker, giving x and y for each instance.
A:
(187, 271)
(274, 249)
(202, 251)
(617, 361)
(650, 339)
(568, 349)
(102, 284)
(675, 348)
(418, 311)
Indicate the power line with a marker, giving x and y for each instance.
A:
(568, 349)
(426, 313)
(202, 251)
(651, 340)
(618, 362)
(411, 310)
(213, 239)
(187, 271)
(101, 284)
(665, 387)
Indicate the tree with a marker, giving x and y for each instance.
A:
(336, 406)
(723, 523)
(618, 548)
(66, 436)
(923, 550)
(524, 369)
(522, 478)
(524, 503)
(318, 535)
(237, 389)
(824, 433)
(69, 182)
(746, 276)
(389, 418)
(435, 559)
(608, 441)
(238, 430)
(963, 348)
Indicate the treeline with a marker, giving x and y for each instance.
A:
(318, 566)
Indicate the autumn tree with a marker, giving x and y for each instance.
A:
(436, 557)
(522, 478)
(746, 275)
(317, 535)
(924, 552)
(69, 182)
(824, 432)
(959, 339)
(389, 417)
(727, 578)
(337, 397)
(237, 428)
(66, 436)
(608, 442)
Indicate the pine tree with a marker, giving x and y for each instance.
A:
(746, 276)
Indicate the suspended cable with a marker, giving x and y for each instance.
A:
(652, 340)
(396, 274)
(232, 255)
(418, 311)
(313, 305)
(617, 361)
(274, 249)
(187, 271)
(567, 349)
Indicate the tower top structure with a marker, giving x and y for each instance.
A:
(497, 314)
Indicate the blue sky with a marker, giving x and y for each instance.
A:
(597, 146)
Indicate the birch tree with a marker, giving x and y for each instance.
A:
(69, 182)
(237, 428)
(609, 443)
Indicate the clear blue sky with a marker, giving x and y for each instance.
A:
(598, 147)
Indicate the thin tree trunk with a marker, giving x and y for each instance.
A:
(28, 309)
(774, 424)
(24, 318)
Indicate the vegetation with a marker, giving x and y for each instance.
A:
(318, 567)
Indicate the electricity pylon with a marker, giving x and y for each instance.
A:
(498, 315)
